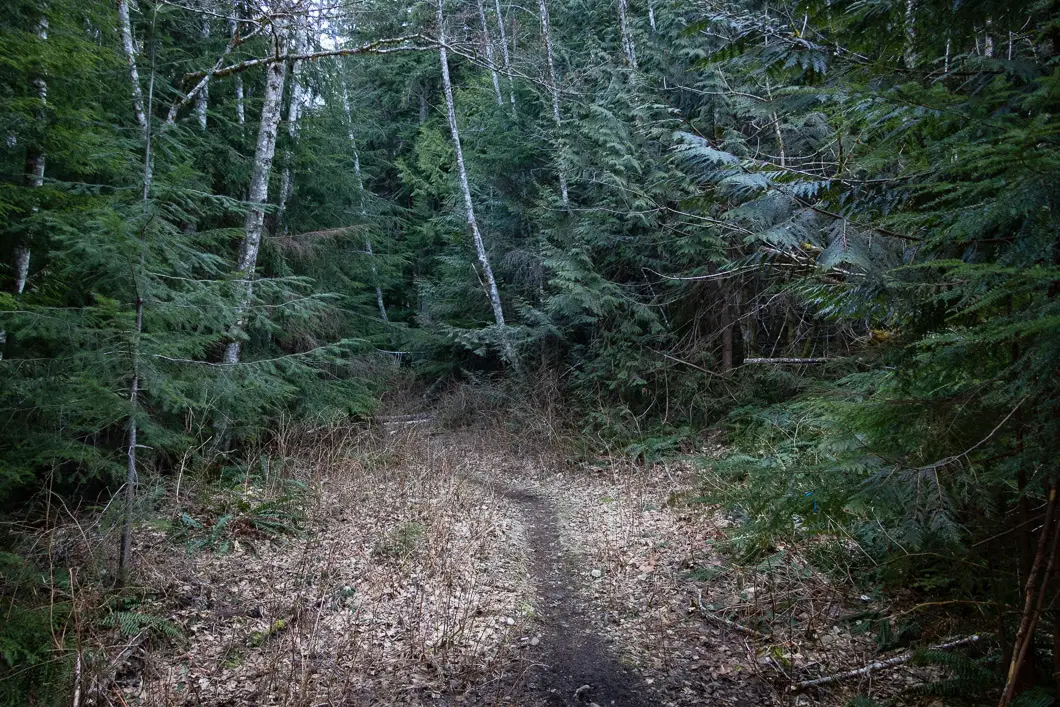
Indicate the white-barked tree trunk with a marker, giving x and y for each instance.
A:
(233, 28)
(504, 51)
(488, 43)
(272, 107)
(629, 48)
(143, 117)
(472, 222)
(553, 88)
(909, 53)
(129, 49)
(34, 179)
(364, 210)
(294, 116)
(202, 99)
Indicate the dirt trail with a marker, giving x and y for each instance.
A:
(609, 553)
(580, 668)
(450, 568)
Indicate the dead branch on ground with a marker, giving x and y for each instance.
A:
(880, 664)
(725, 622)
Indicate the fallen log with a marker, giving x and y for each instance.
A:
(414, 418)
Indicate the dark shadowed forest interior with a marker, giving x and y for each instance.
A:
(568, 352)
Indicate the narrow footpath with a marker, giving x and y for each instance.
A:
(578, 665)
(441, 567)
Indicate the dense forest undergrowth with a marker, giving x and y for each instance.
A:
(397, 352)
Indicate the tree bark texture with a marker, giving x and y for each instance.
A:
(1034, 599)
(294, 117)
(131, 471)
(233, 28)
(202, 99)
(629, 48)
(504, 51)
(909, 55)
(129, 48)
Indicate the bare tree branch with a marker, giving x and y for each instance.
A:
(205, 80)
(739, 628)
(380, 46)
(790, 361)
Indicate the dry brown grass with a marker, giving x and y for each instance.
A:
(406, 585)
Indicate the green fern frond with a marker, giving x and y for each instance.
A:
(131, 623)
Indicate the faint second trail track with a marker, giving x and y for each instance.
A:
(580, 669)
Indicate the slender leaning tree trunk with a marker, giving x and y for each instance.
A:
(629, 48)
(275, 74)
(364, 210)
(472, 222)
(129, 48)
(553, 88)
(34, 177)
(233, 28)
(909, 54)
(504, 51)
(143, 117)
(202, 100)
(489, 52)
(294, 116)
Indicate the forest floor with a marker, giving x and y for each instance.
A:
(469, 567)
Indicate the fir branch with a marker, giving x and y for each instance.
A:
(226, 364)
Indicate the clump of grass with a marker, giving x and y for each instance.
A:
(402, 542)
